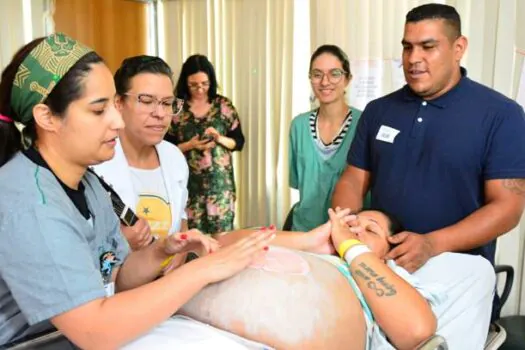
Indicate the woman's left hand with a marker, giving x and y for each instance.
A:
(190, 241)
(340, 229)
(212, 132)
(320, 238)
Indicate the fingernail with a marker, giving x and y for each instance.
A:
(183, 236)
(264, 228)
(272, 227)
(266, 248)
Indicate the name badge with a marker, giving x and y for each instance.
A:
(110, 289)
(386, 134)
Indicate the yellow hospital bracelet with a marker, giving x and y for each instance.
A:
(166, 262)
(345, 245)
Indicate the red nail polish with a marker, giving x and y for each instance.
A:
(266, 248)
(263, 229)
(272, 227)
(183, 236)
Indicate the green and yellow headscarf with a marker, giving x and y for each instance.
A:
(41, 71)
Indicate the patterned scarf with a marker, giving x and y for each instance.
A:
(41, 71)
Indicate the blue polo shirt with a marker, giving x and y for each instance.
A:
(429, 160)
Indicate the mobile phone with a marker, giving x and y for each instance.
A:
(208, 138)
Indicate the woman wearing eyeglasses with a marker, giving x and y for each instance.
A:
(320, 139)
(149, 174)
(63, 261)
(207, 131)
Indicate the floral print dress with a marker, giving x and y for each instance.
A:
(211, 184)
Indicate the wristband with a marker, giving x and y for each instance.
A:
(345, 245)
(354, 252)
(166, 262)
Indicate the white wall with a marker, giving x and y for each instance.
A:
(22, 21)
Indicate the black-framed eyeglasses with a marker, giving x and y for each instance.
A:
(334, 75)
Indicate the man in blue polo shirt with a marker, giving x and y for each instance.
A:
(444, 154)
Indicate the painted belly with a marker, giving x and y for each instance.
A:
(288, 300)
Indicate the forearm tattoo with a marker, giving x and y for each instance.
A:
(515, 185)
(375, 281)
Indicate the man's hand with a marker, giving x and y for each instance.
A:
(412, 250)
(138, 235)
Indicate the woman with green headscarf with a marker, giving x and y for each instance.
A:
(62, 255)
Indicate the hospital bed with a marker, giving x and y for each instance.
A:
(495, 339)
(55, 341)
(507, 333)
(497, 332)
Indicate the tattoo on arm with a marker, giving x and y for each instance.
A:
(515, 185)
(375, 281)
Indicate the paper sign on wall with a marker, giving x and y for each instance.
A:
(374, 78)
(366, 83)
(398, 77)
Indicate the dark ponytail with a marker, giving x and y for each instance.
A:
(10, 138)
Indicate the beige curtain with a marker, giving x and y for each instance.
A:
(250, 44)
(372, 30)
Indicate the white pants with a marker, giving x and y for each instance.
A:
(470, 281)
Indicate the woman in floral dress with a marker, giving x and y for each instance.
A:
(207, 131)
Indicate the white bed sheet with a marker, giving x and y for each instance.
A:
(470, 282)
(184, 333)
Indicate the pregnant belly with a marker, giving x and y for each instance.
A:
(287, 300)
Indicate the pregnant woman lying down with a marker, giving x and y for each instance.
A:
(297, 300)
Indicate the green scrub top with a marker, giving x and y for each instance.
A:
(314, 176)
